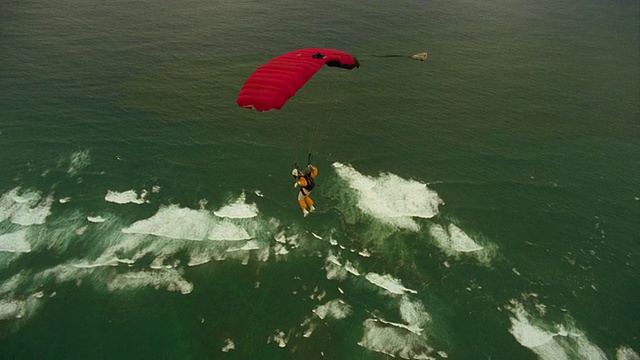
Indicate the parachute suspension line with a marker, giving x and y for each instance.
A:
(298, 129)
(315, 126)
(327, 116)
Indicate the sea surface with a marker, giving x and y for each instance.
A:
(482, 204)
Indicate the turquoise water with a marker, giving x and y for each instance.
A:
(481, 204)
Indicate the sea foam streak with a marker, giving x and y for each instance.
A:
(388, 283)
(78, 161)
(391, 199)
(170, 279)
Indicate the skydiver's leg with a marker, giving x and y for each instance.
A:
(302, 203)
(301, 200)
(309, 202)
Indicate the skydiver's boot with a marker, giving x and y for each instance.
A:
(305, 212)
(312, 208)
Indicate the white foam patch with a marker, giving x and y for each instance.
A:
(126, 197)
(176, 223)
(25, 207)
(34, 216)
(226, 230)
(96, 219)
(238, 209)
(413, 313)
(365, 253)
(311, 327)
(280, 249)
(334, 269)
(15, 242)
(550, 341)
(125, 243)
(388, 283)
(333, 259)
(318, 294)
(11, 309)
(350, 268)
(626, 353)
(394, 341)
(158, 263)
(198, 257)
(19, 308)
(453, 238)
(228, 346)
(170, 279)
(391, 199)
(280, 338)
(335, 309)
(461, 241)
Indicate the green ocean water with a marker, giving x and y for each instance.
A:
(481, 204)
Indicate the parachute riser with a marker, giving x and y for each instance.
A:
(297, 167)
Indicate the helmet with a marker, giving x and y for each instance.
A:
(295, 173)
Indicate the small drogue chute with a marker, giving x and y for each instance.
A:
(419, 56)
(271, 85)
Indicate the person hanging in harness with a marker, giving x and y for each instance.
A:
(306, 181)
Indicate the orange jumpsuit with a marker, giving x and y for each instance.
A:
(305, 189)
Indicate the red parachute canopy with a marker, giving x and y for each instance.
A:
(273, 83)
